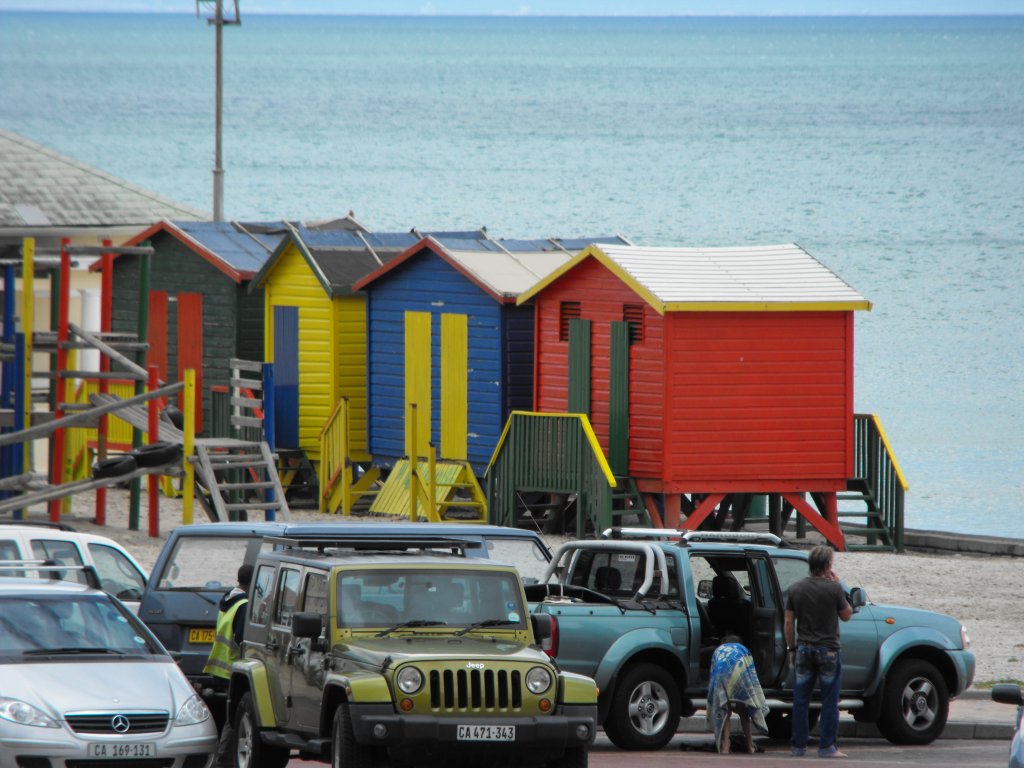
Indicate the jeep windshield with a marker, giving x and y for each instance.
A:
(410, 598)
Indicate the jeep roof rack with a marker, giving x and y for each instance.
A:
(617, 533)
(374, 542)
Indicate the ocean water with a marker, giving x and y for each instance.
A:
(891, 148)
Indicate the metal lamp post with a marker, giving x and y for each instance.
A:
(219, 20)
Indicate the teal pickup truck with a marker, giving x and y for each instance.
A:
(642, 611)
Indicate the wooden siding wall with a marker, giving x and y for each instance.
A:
(292, 283)
(602, 296)
(176, 269)
(350, 366)
(426, 283)
(518, 362)
(759, 397)
(249, 326)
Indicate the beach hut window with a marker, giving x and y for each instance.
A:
(568, 310)
(634, 315)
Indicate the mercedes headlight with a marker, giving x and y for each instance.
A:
(25, 714)
(538, 680)
(192, 711)
(409, 680)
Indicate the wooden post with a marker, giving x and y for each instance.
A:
(57, 470)
(19, 450)
(106, 320)
(28, 277)
(269, 429)
(154, 435)
(135, 497)
(189, 438)
(414, 480)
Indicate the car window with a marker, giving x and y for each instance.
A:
(315, 594)
(62, 553)
(261, 594)
(528, 556)
(204, 563)
(789, 570)
(118, 574)
(80, 622)
(287, 593)
(9, 551)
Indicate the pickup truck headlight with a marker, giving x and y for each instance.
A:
(964, 639)
(25, 714)
(409, 680)
(538, 680)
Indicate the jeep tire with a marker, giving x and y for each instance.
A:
(915, 704)
(250, 751)
(345, 751)
(644, 712)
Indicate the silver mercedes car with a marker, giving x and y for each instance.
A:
(84, 682)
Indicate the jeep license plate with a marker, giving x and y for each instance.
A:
(487, 733)
(122, 751)
(201, 636)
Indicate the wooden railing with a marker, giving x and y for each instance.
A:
(882, 482)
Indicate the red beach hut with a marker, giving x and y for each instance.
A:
(706, 371)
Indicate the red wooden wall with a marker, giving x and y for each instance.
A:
(601, 296)
(759, 400)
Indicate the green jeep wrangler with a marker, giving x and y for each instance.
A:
(365, 652)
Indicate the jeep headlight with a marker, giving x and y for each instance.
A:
(538, 680)
(192, 711)
(24, 714)
(409, 680)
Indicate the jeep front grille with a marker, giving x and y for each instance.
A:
(475, 689)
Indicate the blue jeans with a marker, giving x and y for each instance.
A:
(816, 662)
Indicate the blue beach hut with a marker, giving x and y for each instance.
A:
(445, 333)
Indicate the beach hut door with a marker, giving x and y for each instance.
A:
(286, 377)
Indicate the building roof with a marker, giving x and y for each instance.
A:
(502, 268)
(769, 278)
(340, 258)
(42, 188)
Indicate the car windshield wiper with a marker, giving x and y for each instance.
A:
(413, 623)
(71, 650)
(485, 623)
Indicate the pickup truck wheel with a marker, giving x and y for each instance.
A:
(250, 752)
(915, 704)
(345, 751)
(780, 722)
(645, 709)
(573, 757)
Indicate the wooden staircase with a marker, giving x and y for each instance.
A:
(874, 496)
(237, 475)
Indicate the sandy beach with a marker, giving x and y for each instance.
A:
(983, 592)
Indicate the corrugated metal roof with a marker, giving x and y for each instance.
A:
(771, 274)
(42, 187)
(509, 267)
(243, 247)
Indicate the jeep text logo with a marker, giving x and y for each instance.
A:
(474, 665)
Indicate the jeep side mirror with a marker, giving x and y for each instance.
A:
(1008, 693)
(858, 598)
(307, 624)
(541, 623)
(704, 589)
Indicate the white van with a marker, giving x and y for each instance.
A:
(119, 572)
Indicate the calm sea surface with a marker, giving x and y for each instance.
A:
(892, 149)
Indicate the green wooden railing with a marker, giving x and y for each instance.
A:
(878, 483)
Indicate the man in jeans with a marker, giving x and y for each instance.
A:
(815, 605)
